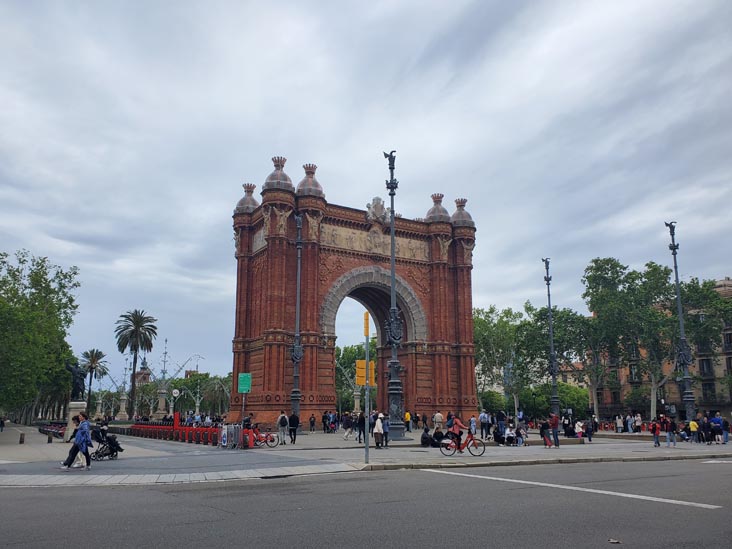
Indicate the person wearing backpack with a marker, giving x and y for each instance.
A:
(282, 423)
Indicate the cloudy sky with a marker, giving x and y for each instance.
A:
(574, 129)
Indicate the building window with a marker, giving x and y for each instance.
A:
(705, 367)
(709, 392)
(616, 397)
(729, 365)
(600, 397)
(564, 378)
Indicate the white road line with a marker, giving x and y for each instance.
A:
(578, 489)
(718, 461)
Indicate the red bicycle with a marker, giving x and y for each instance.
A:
(475, 446)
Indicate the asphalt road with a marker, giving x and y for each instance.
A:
(689, 506)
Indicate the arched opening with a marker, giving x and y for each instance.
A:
(369, 289)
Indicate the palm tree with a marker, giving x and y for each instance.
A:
(94, 363)
(135, 331)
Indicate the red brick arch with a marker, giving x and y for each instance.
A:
(346, 254)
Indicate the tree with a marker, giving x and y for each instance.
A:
(93, 362)
(649, 344)
(37, 305)
(505, 350)
(345, 358)
(599, 339)
(135, 332)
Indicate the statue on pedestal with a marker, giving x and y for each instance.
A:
(78, 375)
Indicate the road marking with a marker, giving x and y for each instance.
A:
(718, 461)
(578, 489)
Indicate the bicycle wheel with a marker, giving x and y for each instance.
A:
(447, 447)
(271, 440)
(476, 447)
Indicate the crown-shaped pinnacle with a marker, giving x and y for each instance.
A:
(279, 162)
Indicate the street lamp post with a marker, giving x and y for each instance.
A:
(394, 324)
(297, 351)
(684, 353)
(534, 395)
(554, 400)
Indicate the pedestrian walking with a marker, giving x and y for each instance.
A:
(485, 425)
(361, 426)
(473, 424)
(293, 422)
(82, 443)
(2, 424)
(589, 429)
(312, 423)
(671, 431)
(347, 426)
(282, 423)
(386, 426)
(408, 421)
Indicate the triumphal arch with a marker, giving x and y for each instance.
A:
(346, 253)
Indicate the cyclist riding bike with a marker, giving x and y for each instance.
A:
(455, 433)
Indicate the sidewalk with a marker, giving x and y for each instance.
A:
(147, 461)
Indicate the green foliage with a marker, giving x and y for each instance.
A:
(570, 397)
(93, 362)
(135, 332)
(639, 400)
(345, 358)
(511, 350)
(493, 401)
(37, 305)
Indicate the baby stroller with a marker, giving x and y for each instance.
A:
(107, 445)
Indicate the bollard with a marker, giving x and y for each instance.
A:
(205, 438)
(197, 436)
(215, 439)
(22, 438)
(50, 438)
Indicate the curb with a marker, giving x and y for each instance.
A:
(552, 461)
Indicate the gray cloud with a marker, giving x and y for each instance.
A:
(573, 129)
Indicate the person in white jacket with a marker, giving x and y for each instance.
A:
(379, 431)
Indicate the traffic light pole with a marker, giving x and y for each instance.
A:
(367, 406)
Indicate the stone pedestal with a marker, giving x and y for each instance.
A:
(160, 412)
(122, 414)
(75, 406)
(357, 400)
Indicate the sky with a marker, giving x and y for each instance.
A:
(573, 129)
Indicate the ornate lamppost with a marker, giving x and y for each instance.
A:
(683, 351)
(297, 351)
(554, 400)
(394, 324)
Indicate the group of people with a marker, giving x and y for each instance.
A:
(628, 424)
(492, 426)
(81, 444)
(705, 428)
(287, 426)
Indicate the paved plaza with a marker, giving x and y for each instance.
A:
(149, 462)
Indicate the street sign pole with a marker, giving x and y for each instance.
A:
(367, 407)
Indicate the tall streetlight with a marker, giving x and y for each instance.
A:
(297, 352)
(394, 324)
(554, 400)
(684, 353)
